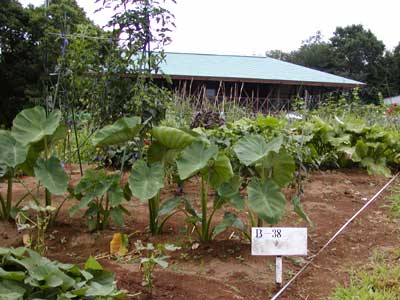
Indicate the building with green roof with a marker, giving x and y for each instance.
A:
(263, 80)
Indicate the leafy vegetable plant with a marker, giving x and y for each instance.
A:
(273, 169)
(24, 274)
(150, 257)
(214, 168)
(102, 195)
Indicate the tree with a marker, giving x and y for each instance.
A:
(19, 66)
(30, 48)
(314, 53)
(359, 55)
(394, 67)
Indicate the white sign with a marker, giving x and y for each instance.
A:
(278, 241)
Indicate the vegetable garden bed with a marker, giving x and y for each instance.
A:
(224, 268)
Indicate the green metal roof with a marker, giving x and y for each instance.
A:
(251, 68)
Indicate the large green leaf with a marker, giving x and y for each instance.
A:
(229, 220)
(159, 153)
(32, 125)
(230, 191)
(52, 175)
(12, 275)
(12, 153)
(220, 171)
(266, 200)
(11, 290)
(172, 138)
(279, 166)
(122, 131)
(146, 181)
(194, 158)
(253, 148)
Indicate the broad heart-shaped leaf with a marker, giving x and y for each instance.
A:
(230, 191)
(280, 166)
(172, 138)
(146, 181)
(266, 200)
(52, 175)
(230, 220)
(220, 171)
(122, 131)
(32, 125)
(253, 148)
(12, 153)
(194, 158)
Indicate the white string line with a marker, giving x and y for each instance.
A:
(334, 237)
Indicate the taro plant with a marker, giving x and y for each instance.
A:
(121, 132)
(273, 169)
(145, 183)
(38, 131)
(213, 167)
(33, 133)
(12, 155)
(101, 194)
(147, 179)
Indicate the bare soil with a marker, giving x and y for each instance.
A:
(224, 268)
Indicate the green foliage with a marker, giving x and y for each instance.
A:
(101, 194)
(266, 200)
(203, 159)
(25, 274)
(52, 175)
(121, 132)
(380, 281)
(151, 256)
(146, 181)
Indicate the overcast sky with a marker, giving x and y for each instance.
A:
(255, 26)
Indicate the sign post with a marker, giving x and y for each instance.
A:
(278, 242)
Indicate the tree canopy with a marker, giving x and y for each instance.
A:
(353, 52)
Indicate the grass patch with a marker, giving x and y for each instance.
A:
(379, 280)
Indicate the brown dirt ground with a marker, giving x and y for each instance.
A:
(224, 269)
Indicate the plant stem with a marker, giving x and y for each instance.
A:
(47, 192)
(154, 204)
(204, 200)
(3, 207)
(9, 195)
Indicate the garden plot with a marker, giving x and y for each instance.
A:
(224, 268)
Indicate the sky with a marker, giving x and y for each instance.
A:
(253, 27)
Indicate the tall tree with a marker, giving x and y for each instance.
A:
(314, 53)
(19, 66)
(359, 55)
